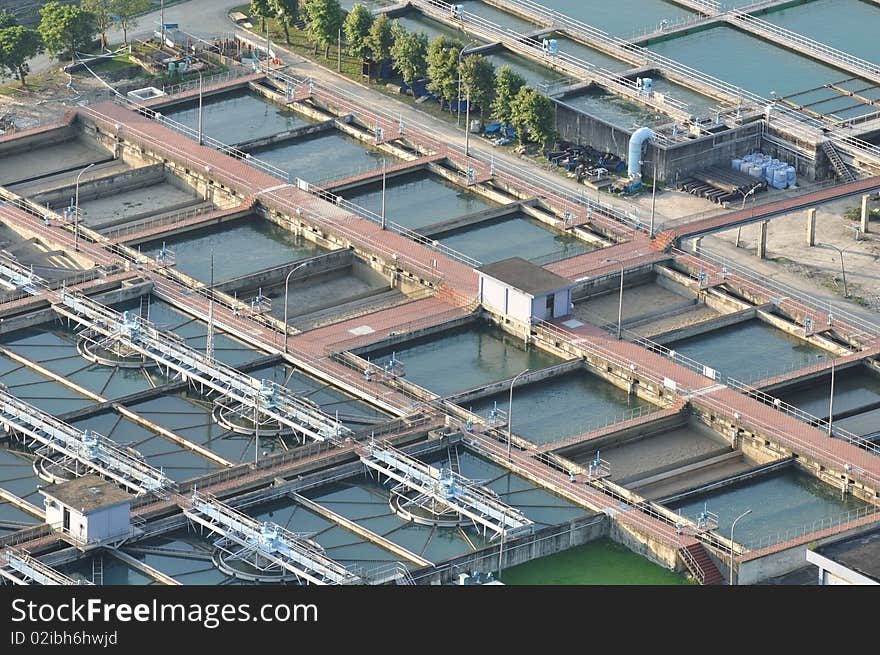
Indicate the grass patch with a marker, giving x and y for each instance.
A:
(601, 562)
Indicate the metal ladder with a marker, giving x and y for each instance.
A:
(98, 569)
(843, 171)
(454, 461)
(145, 307)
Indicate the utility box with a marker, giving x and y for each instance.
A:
(89, 511)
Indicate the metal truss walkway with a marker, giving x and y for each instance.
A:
(446, 488)
(138, 335)
(72, 449)
(263, 545)
(20, 568)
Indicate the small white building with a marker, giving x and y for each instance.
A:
(89, 510)
(852, 561)
(524, 291)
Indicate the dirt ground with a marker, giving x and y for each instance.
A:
(787, 249)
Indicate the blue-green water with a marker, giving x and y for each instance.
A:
(849, 25)
(54, 348)
(748, 351)
(513, 237)
(561, 407)
(418, 199)
(237, 116)
(497, 16)
(177, 462)
(46, 394)
(534, 74)
(244, 247)
(414, 21)
(853, 388)
(779, 502)
(747, 61)
(583, 52)
(17, 476)
(621, 17)
(613, 109)
(327, 155)
(465, 358)
(114, 571)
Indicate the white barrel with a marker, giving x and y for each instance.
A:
(736, 164)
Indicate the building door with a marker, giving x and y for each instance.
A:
(549, 309)
(66, 523)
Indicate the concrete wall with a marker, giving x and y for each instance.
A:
(274, 276)
(544, 542)
(105, 186)
(39, 140)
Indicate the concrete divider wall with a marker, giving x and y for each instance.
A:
(104, 186)
(39, 140)
(270, 277)
(543, 542)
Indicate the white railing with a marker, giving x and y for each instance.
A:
(806, 417)
(165, 220)
(775, 32)
(434, 245)
(785, 291)
(665, 25)
(835, 524)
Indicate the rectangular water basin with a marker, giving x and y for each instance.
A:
(418, 199)
(463, 358)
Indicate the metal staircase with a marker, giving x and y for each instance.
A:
(700, 564)
(843, 171)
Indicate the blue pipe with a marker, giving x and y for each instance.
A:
(635, 149)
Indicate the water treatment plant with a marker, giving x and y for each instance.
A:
(275, 326)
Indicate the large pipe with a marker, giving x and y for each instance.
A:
(641, 135)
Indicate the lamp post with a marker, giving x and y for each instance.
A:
(620, 305)
(732, 526)
(460, 53)
(286, 281)
(842, 266)
(653, 193)
(830, 397)
(76, 210)
(510, 409)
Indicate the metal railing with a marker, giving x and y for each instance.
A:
(162, 220)
(832, 524)
(433, 244)
(606, 421)
(776, 33)
(806, 417)
(763, 283)
(217, 78)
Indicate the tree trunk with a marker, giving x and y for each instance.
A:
(262, 23)
(124, 34)
(103, 40)
(327, 51)
(22, 75)
(286, 32)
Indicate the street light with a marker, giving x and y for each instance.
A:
(653, 192)
(458, 108)
(842, 266)
(76, 210)
(286, 281)
(732, 526)
(510, 409)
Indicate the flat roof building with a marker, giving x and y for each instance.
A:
(524, 291)
(89, 510)
(853, 561)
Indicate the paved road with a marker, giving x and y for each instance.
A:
(212, 18)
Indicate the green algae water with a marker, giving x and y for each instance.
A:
(600, 562)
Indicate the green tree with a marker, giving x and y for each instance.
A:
(17, 45)
(7, 19)
(127, 11)
(478, 77)
(381, 38)
(443, 68)
(410, 54)
(64, 28)
(508, 83)
(262, 9)
(324, 19)
(357, 31)
(532, 117)
(100, 9)
(287, 12)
